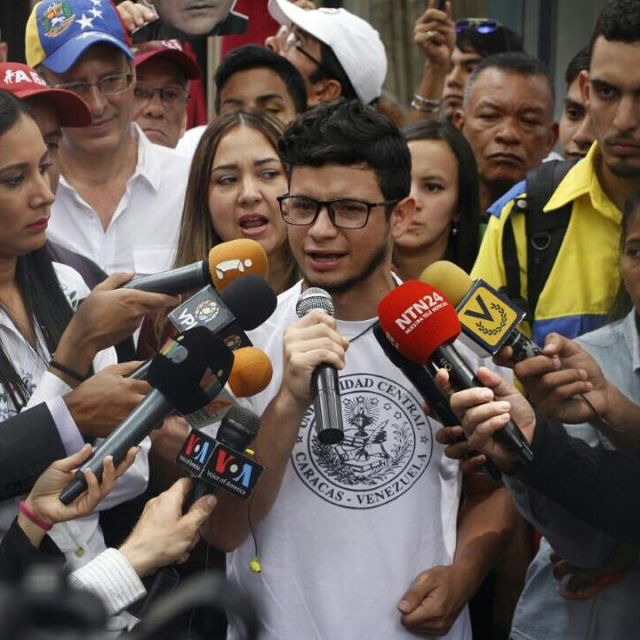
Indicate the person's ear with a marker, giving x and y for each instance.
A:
(457, 119)
(183, 124)
(554, 132)
(583, 81)
(401, 217)
(324, 91)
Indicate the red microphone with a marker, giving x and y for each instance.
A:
(422, 325)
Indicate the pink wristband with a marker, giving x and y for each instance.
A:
(37, 520)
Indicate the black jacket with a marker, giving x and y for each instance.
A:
(597, 485)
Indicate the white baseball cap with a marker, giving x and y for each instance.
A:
(355, 43)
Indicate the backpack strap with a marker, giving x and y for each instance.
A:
(510, 259)
(544, 231)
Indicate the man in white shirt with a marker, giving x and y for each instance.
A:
(363, 539)
(120, 197)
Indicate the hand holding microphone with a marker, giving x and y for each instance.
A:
(189, 371)
(423, 379)
(422, 324)
(490, 320)
(105, 317)
(325, 385)
(484, 411)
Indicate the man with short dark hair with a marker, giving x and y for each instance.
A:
(579, 291)
(597, 592)
(343, 530)
(575, 131)
(163, 70)
(120, 196)
(253, 77)
(507, 117)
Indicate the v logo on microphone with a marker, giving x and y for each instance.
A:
(483, 314)
(488, 317)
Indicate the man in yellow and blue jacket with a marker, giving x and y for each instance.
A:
(583, 282)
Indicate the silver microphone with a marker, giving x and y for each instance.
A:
(324, 381)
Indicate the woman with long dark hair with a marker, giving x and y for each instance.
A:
(444, 183)
(44, 348)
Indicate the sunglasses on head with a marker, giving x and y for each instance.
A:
(482, 26)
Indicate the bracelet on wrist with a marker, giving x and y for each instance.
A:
(72, 373)
(36, 519)
(425, 104)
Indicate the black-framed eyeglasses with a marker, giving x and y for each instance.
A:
(109, 85)
(144, 92)
(483, 26)
(345, 213)
(293, 40)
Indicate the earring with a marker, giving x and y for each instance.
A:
(454, 228)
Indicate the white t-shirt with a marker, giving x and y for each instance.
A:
(143, 233)
(355, 523)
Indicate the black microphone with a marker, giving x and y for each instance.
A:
(226, 261)
(214, 464)
(174, 281)
(462, 377)
(186, 374)
(424, 381)
(243, 305)
(221, 463)
(324, 381)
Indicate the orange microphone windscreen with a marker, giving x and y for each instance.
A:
(231, 260)
(251, 372)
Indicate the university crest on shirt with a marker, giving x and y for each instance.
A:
(387, 446)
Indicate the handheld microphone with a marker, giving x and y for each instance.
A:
(226, 314)
(422, 324)
(423, 380)
(487, 316)
(222, 463)
(226, 262)
(250, 374)
(186, 374)
(216, 464)
(243, 305)
(324, 381)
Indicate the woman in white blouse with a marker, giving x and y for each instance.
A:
(44, 348)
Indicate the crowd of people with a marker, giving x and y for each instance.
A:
(399, 530)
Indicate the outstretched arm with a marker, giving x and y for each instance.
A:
(567, 384)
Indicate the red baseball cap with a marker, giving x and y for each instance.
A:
(24, 82)
(168, 50)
